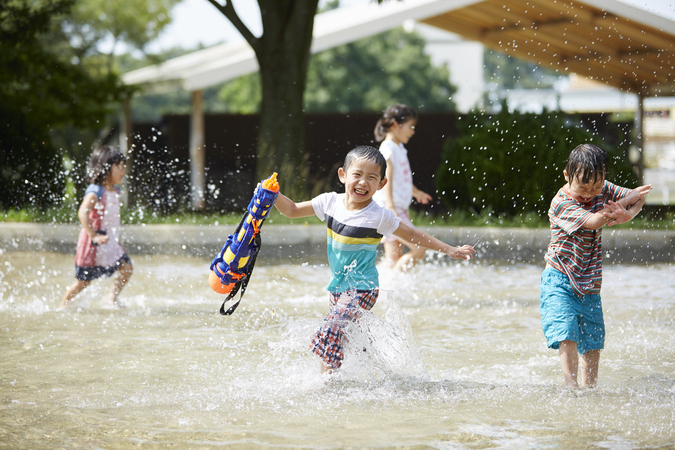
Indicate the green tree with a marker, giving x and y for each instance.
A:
(373, 73)
(512, 163)
(43, 87)
(121, 22)
(59, 85)
(282, 52)
(96, 32)
(367, 75)
(506, 72)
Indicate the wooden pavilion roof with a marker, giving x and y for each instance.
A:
(604, 40)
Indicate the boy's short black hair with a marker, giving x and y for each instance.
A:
(369, 153)
(587, 163)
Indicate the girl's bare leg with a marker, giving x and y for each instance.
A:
(123, 274)
(569, 361)
(73, 290)
(589, 368)
(393, 250)
(411, 258)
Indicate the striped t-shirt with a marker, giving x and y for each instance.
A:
(574, 250)
(352, 240)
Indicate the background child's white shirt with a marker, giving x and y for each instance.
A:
(108, 254)
(402, 184)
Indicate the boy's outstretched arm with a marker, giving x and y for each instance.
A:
(417, 237)
(289, 208)
(621, 211)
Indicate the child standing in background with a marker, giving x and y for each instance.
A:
(98, 249)
(394, 129)
(356, 225)
(571, 308)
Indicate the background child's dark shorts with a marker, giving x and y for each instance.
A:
(91, 273)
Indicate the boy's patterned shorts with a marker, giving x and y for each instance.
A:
(345, 307)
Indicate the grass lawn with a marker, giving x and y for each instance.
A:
(67, 213)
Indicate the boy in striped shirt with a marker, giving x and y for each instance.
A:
(355, 226)
(571, 308)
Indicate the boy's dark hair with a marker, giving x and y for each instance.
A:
(101, 161)
(368, 153)
(587, 163)
(398, 113)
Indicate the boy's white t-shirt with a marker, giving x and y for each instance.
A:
(352, 240)
(402, 184)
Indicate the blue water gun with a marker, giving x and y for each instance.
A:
(231, 270)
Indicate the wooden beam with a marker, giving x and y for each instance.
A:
(648, 37)
(549, 32)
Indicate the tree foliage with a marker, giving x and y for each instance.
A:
(42, 88)
(367, 75)
(506, 72)
(131, 22)
(372, 73)
(512, 163)
(59, 86)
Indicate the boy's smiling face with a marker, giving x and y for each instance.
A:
(362, 179)
(584, 192)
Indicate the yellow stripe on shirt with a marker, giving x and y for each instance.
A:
(352, 240)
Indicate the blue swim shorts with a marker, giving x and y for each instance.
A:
(565, 316)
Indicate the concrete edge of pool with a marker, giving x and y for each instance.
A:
(308, 242)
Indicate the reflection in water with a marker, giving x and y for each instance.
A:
(454, 358)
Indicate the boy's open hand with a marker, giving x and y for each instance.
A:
(422, 197)
(616, 213)
(463, 252)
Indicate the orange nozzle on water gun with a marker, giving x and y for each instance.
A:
(271, 183)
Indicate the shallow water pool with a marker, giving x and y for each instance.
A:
(454, 358)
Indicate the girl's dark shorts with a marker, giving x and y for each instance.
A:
(92, 273)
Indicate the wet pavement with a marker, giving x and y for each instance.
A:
(308, 242)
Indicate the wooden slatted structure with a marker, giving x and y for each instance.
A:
(573, 36)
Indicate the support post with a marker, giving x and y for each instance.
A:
(640, 138)
(126, 147)
(197, 151)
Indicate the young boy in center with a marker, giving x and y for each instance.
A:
(356, 225)
(571, 308)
